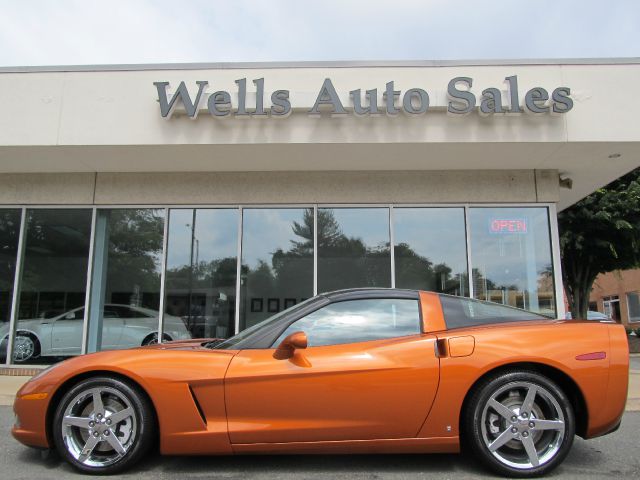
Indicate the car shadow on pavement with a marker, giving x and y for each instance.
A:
(584, 458)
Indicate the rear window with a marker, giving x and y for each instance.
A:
(464, 312)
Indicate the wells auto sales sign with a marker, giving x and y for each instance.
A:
(414, 101)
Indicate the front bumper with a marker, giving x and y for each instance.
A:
(30, 409)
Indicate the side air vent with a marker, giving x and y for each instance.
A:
(197, 404)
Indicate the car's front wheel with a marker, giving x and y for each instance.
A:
(103, 425)
(519, 424)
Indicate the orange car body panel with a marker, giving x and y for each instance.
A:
(358, 391)
(167, 376)
(398, 395)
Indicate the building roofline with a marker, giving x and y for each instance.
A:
(319, 64)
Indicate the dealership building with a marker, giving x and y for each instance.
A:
(197, 200)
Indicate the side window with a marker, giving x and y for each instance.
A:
(109, 312)
(463, 312)
(73, 315)
(128, 312)
(358, 321)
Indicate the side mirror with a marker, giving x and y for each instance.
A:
(70, 316)
(288, 346)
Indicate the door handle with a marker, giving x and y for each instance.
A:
(440, 347)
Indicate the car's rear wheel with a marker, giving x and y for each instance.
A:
(152, 339)
(103, 425)
(519, 424)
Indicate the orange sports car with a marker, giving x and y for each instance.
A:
(353, 371)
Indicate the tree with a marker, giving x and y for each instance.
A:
(599, 234)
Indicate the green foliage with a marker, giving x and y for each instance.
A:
(135, 251)
(599, 234)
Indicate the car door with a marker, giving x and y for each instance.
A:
(66, 332)
(135, 324)
(367, 373)
(112, 325)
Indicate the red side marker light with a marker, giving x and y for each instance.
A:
(592, 356)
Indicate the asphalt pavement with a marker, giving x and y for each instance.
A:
(616, 455)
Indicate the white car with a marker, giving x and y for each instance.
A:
(593, 315)
(123, 326)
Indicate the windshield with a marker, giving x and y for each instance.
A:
(249, 332)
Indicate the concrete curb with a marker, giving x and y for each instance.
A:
(633, 405)
(9, 385)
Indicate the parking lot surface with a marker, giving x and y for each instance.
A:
(613, 455)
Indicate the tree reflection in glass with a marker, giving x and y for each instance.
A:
(353, 248)
(201, 270)
(54, 279)
(511, 254)
(430, 250)
(9, 230)
(125, 295)
(277, 261)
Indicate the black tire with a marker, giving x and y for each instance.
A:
(140, 438)
(152, 339)
(482, 424)
(17, 358)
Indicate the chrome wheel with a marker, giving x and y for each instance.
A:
(522, 425)
(99, 426)
(153, 339)
(24, 347)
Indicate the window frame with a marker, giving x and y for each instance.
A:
(626, 294)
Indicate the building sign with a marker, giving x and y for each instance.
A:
(461, 100)
(507, 225)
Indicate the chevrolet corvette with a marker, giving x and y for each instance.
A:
(352, 371)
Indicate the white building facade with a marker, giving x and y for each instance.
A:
(198, 200)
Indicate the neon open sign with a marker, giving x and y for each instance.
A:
(508, 225)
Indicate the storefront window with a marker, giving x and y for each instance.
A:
(511, 257)
(633, 302)
(125, 295)
(277, 261)
(510, 252)
(353, 248)
(9, 232)
(54, 278)
(430, 249)
(200, 288)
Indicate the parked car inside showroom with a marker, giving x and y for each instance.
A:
(124, 326)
